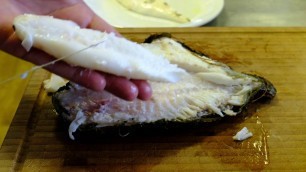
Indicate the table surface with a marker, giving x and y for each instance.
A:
(36, 141)
(10, 92)
(250, 13)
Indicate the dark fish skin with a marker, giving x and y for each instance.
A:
(264, 93)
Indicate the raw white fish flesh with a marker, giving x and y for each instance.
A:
(110, 53)
(243, 134)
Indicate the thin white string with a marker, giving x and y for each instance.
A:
(25, 73)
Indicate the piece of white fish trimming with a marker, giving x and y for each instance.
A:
(243, 134)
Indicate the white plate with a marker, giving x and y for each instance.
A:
(199, 11)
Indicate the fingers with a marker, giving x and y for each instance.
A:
(97, 81)
(121, 87)
(100, 24)
(90, 79)
(128, 89)
(78, 13)
(84, 17)
(144, 89)
(85, 77)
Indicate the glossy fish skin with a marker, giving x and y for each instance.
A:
(172, 104)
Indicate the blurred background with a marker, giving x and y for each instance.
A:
(276, 13)
(235, 13)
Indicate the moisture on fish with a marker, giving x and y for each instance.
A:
(211, 89)
(93, 49)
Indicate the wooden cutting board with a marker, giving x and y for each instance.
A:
(36, 141)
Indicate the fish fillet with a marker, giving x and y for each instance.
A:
(154, 8)
(94, 49)
(211, 89)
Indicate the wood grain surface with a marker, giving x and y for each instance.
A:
(37, 141)
(10, 92)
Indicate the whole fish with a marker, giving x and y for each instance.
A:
(210, 90)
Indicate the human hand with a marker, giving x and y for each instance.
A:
(78, 12)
